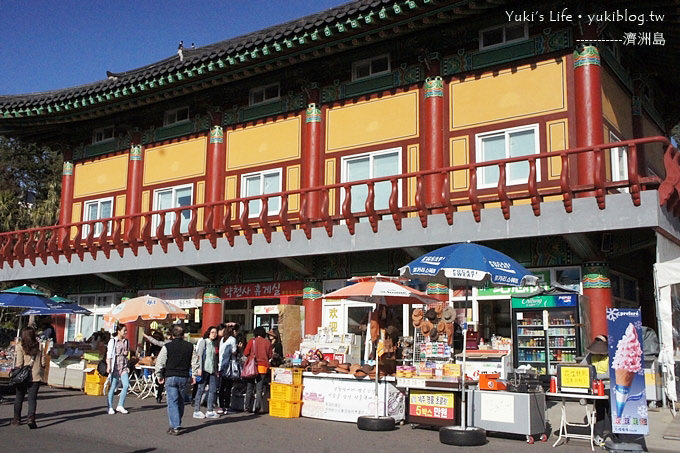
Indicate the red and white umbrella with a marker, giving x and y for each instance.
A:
(144, 308)
(380, 289)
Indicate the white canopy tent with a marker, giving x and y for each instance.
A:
(667, 288)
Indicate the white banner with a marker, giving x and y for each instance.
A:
(346, 398)
(182, 297)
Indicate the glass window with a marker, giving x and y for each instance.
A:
(263, 94)
(95, 210)
(262, 183)
(619, 160)
(102, 134)
(503, 34)
(516, 142)
(369, 166)
(174, 116)
(370, 67)
(173, 197)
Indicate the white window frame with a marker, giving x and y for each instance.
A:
(102, 303)
(504, 41)
(170, 116)
(103, 134)
(98, 226)
(170, 216)
(263, 89)
(618, 158)
(371, 156)
(479, 146)
(369, 61)
(255, 206)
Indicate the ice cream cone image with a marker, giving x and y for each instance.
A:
(627, 363)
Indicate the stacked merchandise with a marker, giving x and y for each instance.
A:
(94, 383)
(286, 392)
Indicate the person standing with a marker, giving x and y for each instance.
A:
(261, 348)
(173, 368)
(277, 347)
(206, 363)
(228, 361)
(28, 352)
(117, 360)
(157, 341)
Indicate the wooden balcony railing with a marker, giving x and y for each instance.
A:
(551, 176)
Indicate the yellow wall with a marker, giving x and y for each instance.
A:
(263, 144)
(525, 91)
(558, 140)
(330, 179)
(293, 183)
(76, 213)
(460, 155)
(175, 161)
(616, 106)
(101, 176)
(372, 122)
(230, 185)
(119, 208)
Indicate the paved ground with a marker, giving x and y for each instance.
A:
(70, 421)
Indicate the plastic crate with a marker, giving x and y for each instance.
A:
(290, 376)
(285, 392)
(94, 389)
(94, 378)
(284, 409)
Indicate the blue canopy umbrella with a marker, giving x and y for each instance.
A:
(468, 264)
(59, 306)
(24, 297)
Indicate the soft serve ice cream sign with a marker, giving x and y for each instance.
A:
(626, 374)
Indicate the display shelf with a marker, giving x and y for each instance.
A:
(531, 347)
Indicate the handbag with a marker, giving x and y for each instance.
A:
(234, 369)
(101, 368)
(20, 375)
(250, 368)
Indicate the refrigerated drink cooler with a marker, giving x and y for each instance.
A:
(546, 331)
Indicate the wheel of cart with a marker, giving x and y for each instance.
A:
(463, 437)
(543, 437)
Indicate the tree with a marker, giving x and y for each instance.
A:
(30, 184)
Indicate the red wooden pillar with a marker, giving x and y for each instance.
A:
(212, 309)
(287, 300)
(598, 288)
(59, 323)
(312, 155)
(133, 203)
(588, 110)
(66, 202)
(311, 300)
(216, 158)
(433, 152)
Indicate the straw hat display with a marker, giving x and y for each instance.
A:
(425, 327)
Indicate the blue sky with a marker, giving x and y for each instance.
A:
(53, 44)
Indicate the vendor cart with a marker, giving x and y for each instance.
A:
(509, 412)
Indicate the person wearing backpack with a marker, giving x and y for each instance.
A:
(117, 358)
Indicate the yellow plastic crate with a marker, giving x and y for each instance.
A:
(94, 377)
(285, 392)
(284, 409)
(290, 376)
(94, 389)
